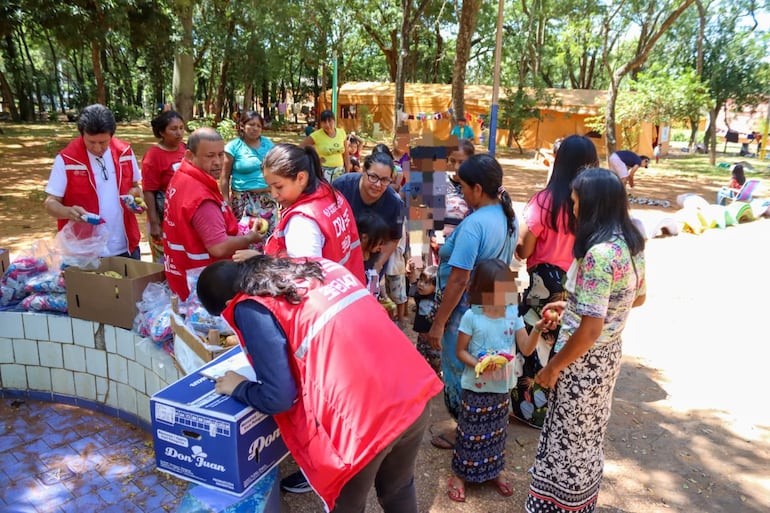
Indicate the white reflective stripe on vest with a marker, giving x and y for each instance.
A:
(75, 167)
(191, 256)
(325, 317)
(347, 255)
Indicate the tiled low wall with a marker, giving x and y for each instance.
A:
(88, 364)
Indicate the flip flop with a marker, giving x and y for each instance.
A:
(440, 441)
(502, 486)
(454, 492)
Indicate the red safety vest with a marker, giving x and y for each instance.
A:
(361, 383)
(81, 189)
(336, 222)
(183, 249)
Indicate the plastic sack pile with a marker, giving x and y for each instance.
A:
(35, 282)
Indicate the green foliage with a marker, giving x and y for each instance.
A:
(124, 112)
(516, 109)
(226, 127)
(367, 120)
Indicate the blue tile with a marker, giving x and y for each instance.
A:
(20, 507)
(65, 399)
(117, 491)
(84, 503)
(155, 499)
(18, 490)
(9, 442)
(37, 395)
(86, 483)
(88, 445)
(16, 394)
(57, 457)
(125, 507)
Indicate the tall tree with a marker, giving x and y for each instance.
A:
(655, 18)
(184, 71)
(469, 14)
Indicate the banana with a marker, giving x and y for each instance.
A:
(498, 359)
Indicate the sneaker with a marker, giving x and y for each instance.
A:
(295, 483)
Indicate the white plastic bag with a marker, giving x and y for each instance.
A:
(81, 244)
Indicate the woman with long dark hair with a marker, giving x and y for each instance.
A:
(490, 231)
(546, 240)
(606, 280)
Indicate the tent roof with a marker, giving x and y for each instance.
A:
(576, 101)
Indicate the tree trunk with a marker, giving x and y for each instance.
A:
(468, 17)
(611, 142)
(712, 134)
(55, 61)
(183, 85)
(8, 95)
(96, 62)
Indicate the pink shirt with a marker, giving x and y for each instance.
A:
(551, 247)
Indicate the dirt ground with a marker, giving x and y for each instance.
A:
(690, 429)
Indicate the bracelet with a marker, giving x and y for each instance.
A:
(536, 329)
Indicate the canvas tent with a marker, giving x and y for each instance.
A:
(428, 109)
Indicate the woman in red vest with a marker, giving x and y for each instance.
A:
(352, 414)
(316, 220)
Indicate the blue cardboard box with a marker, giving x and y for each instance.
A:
(212, 439)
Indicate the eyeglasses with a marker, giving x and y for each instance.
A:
(374, 178)
(102, 166)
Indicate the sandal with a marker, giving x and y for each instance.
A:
(454, 492)
(503, 486)
(441, 441)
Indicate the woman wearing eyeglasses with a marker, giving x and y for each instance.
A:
(370, 190)
(316, 220)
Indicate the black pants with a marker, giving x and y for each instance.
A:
(391, 472)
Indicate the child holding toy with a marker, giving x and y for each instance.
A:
(488, 335)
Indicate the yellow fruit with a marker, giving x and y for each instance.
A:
(262, 226)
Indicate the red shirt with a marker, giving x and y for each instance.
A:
(158, 166)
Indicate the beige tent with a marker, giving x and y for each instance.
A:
(427, 107)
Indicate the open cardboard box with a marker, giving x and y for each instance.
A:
(204, 348)
(95, 297)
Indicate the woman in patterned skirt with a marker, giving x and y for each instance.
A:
(243, 180)
(604, 282)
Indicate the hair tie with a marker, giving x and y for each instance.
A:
(500, 190)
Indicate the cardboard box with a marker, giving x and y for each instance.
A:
(206, 349)
(212, 439)
(96, 297)
(5, 260)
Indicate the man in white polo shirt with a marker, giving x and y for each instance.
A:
(89, 176)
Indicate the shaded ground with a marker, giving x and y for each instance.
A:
(690, 429)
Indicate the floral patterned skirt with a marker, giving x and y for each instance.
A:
(479, 452)
(569, 462)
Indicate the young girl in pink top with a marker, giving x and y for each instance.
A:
(545, 242)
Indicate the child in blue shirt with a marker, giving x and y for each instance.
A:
(489, 333)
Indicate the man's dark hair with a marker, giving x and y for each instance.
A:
(96, 119)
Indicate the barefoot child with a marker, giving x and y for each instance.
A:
(489, 333)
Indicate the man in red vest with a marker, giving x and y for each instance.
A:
(89, 176)
(199, 227)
